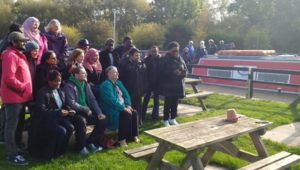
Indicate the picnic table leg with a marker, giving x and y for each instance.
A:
(194, 87)
(204, 108)
(187, 162)
(157, 157)
(259, 145)
(196, 162)
(207, 156)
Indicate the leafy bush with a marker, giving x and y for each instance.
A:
(180, 31)
(97, 32)
(73, 35)
(257, 39)
(147, 35)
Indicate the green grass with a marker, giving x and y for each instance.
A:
(114, 159)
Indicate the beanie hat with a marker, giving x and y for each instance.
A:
(31, 46)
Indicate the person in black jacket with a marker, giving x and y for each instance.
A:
(152, 63)
(212, 47)
(48, 62)
(108, 58)
(172, 71)
(51, 128)
(123, 49)
(133, 75)
(79, 96)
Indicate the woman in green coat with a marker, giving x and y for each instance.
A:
(116, 104)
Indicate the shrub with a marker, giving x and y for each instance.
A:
(179, 31)
(148, 34)
(97, 32)
(73, 35)
(257, 39)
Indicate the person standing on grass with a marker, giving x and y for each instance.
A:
(172, 71)
(133, 75)
(122, 50)
(49, 62)
(16, 90)
(93, 69)
(3, 45)
(31, 31)
(152, 63)
(57, 42)
(75, 59)
(115, 102)
(108, 57)
(83, 44)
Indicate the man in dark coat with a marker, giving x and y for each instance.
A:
(212, 47)
(152, 62)
(122, 50)
(133, 75)
(172, 71)
(108, 58)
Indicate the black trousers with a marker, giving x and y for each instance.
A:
(80, 130)
(128, 125)
(170, 107)
(137, 105)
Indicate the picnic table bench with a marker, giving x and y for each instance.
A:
(197, 93)
(213, 134)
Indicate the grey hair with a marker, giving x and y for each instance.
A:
(108, 69)
(50, 24)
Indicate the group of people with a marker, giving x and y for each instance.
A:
(192, 55)
(66, 92)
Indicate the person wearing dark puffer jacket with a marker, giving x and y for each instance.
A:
(133, 75)
(171, 82)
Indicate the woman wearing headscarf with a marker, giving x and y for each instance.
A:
(92, 66)
(93, 69)
(57, 42)
(31, 31)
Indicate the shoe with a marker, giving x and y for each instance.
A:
(84, 151)
(166, 123)
(94, 149)
(123, 143)
(17, 160)
(173, 122)
(136, 139)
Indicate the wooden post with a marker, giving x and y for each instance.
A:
(249, 94)
(157, 156)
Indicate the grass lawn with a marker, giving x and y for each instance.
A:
(114, 159)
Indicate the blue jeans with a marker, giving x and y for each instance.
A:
(12, 112)
(155, 114)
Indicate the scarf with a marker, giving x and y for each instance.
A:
(81, 89)
(27, 25)
(88, 64)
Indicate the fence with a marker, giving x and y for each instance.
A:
(250, 79)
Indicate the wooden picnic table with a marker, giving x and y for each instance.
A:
(197, 93)
(215, 134)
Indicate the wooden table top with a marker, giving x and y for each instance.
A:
(192, 80)
(202, 133)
